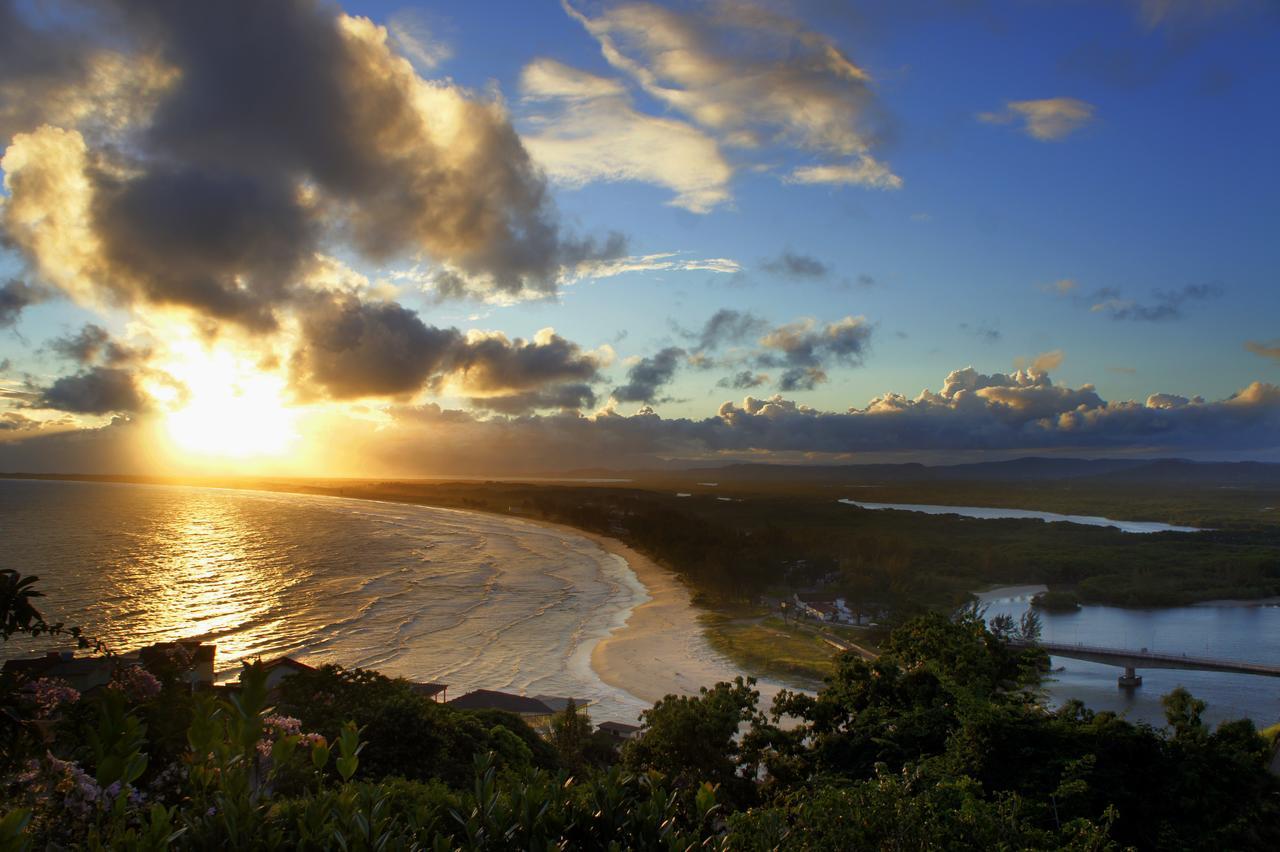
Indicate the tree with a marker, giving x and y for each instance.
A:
(694, 739)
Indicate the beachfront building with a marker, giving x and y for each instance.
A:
(619, 731)
(86, 674)
(437, 692)
(534, 711)
(281, 668)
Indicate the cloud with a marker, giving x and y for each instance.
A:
(744, 380)
(1164, 304)
(984, 332)
(585, 129)
(1158, 13)
(566, 397)
(1016, 413)
(865, 172)
(1047, 362)
(1265, 350)
(15, 296)
(803, 349)
(217, 192)
(661, 262)
(792, 265)
(726, 326)
(412, 36)
(1048, 119)
(751, 75)
(98, 390)
(649, 375)
(1061, 287)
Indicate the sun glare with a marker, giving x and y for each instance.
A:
(231, 410)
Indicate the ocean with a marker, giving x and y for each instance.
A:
(472, 600)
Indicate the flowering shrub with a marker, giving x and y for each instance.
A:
(137, 684)
(49, 695)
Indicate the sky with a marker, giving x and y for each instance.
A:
(382, 238)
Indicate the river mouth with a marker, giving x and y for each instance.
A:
(989, 513)
(1228, 631)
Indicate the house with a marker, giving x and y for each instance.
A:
(824, 608)
(534, 712)
(282, 668)
(85, 674)
(437, 692)
(82, 674)
(197, 655)
(619, 731)
(559, 704)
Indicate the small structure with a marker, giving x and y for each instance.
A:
(282, 668)
(85, 674)
(824, 608)
(559, 704)
(619, 731)
(534, 712)
(438, 692)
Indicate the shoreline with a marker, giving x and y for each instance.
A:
(661, 647)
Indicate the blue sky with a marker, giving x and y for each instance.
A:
(1088, 183)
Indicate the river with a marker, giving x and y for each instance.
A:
(1229, 630)
(987, 513)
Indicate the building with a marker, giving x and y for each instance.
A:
(559, 704)
(85, 674)
(437, 692)
(619, 731)
(536, 713)
(281, 668)
(824, 608)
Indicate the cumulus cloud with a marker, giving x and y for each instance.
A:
(1265, 350)
(254, 151)
(98, 390)
(802, 349)
(1163, 305)
(649, 375)
(1047, 119)
(584, 129)
(753, 76)
(91, 342)
(791, 264)
(1022, 412)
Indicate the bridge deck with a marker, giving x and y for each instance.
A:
(1126, 658)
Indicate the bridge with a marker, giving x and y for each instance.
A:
(1131, 661)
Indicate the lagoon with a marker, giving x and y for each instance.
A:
(1024, 514)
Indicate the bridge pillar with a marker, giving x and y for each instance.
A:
(1130, 678)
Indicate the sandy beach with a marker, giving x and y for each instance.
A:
(661, 649)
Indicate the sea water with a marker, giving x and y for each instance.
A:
(471, 600)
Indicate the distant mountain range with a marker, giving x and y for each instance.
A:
(1030, 469)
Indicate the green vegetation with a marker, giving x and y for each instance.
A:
(777, 537)
(1056, 600)
(940, 743)
(770, 647)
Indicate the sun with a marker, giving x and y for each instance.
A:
(230, 410)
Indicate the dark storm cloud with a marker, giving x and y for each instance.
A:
(270, 130)
(99, 390)
(16, 295)
(649, 375)
(793, 265)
